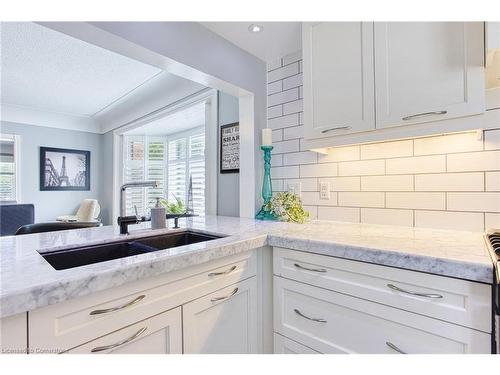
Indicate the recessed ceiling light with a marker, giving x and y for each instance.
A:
(254, 28)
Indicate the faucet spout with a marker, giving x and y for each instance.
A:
(127, 185)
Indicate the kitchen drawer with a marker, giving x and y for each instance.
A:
(160, 334)
(331, 322)
(462, 302)
(283, 345)
(71, 323)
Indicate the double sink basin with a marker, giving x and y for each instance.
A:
(81, 256)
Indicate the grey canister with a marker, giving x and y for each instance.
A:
(158, 218)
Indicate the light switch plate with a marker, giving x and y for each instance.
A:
(324, 190)
(294, 187)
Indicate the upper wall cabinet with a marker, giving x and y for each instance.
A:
(427, 71)
(338, 78)
(366, 82)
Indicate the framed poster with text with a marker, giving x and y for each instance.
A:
(230, 148)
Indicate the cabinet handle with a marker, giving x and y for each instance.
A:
(309, 269)
(123, 342)
(105, 311)
(215, 299)
(336, 128)
(313, 319)
(427, 295)
(424, 114)
(223, 272)
(394, 347)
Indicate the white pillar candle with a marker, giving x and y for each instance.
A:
(267, 137)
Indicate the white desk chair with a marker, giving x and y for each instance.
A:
(88, 211)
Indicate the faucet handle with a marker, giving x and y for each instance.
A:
(136, 212)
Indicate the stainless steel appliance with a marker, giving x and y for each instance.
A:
(493, 241)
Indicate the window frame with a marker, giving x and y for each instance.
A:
(17, 166)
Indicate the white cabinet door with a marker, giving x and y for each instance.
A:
(428, 71)
(222, 322)
(160, 334)
(338, 78)
(283, 345)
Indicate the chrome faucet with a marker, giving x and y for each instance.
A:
(124, 187)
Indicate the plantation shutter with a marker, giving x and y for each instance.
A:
(7, 169)
(134, 171)
(197, 171)
(155, 163)
(177, 169)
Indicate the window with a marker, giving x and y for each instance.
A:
(175, 161)
(9, 174)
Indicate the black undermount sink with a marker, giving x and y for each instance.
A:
(81, 256)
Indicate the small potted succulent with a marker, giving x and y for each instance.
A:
(287, 206)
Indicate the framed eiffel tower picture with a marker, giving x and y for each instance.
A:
(64, 169)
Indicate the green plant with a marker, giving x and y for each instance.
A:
(287, 207)
(176, 207)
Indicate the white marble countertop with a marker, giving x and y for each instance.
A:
(27, 281)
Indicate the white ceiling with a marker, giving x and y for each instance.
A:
(45, 70)
(191, 117)
(276, 40)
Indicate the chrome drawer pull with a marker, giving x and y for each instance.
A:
(394, 347)
(427, 295)
(424, 114)
(313, 319)
(107, 347)
(337, 128)
(215, 299)
(309, 269)
(128, 304)
(222, 273)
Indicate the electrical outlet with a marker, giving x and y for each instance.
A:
(295, 188)
(324, 190)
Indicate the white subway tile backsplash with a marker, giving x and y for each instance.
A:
(274, 87)
(318, 170)
(310, 198)
(480, 202)
(491, 221)
(362, 168)
(340, 154)
(277, 160)
(306, 184)
(447, 144)
(277, 135)
(386, 216)
(450, 182)
(492, 181)
(313, 211)
(284, 72)
(295, 132)
(492, 139)
(283, 122)
(387, 150)
(474, 161)
(343, 183)
(275, 111)
(293, 81)
(418, 164)
(285, 172)
(292, 57)
(387, 183)
(416, 200)
(292, 145)
(283, 97)
(349, 214)
(302, 157)
(292, 107)
(274, 64)
(361, 199)
(471, 221)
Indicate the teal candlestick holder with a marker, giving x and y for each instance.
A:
(267, 189)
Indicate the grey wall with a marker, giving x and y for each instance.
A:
(50, 204)
(228, 184)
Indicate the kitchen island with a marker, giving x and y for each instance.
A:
(29, 283)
